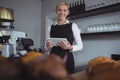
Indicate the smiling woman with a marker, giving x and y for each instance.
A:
(62, 11)
(64, 29)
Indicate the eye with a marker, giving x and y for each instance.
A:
(65, 10)
(59, 9)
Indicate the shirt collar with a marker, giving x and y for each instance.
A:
(64, 23)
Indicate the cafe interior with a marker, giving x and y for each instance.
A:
(24, 28)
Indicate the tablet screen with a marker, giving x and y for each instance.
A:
(56, 40)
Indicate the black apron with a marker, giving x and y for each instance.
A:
(63, 31)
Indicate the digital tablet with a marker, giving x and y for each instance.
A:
(56, 40)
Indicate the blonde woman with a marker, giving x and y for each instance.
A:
(63, 28)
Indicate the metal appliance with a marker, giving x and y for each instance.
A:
(24, 44)
(10, 43)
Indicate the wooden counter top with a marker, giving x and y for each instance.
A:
(80, 76)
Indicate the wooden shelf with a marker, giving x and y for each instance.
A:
(97, 11)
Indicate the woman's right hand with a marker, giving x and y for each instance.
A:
(49, 44)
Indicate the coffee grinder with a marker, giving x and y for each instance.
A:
(7, 47)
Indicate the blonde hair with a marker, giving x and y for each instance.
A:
(62, 3)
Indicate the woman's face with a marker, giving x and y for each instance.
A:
(62, 12)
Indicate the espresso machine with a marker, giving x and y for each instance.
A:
(10, 42)
(14, 41)
(7, 47)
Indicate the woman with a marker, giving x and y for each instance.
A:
(65, 29)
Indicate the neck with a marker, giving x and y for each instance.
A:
(60, 22)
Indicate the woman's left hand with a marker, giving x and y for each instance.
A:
(65, 45)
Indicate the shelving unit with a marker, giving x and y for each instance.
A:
(97, 11)
(103, 28)
(107, 32)
(101, 32)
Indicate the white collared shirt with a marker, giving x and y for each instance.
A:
(78, 45)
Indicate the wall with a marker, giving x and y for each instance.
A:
(47, 8)
(94, 45)
(27, 15)
(99, 44)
